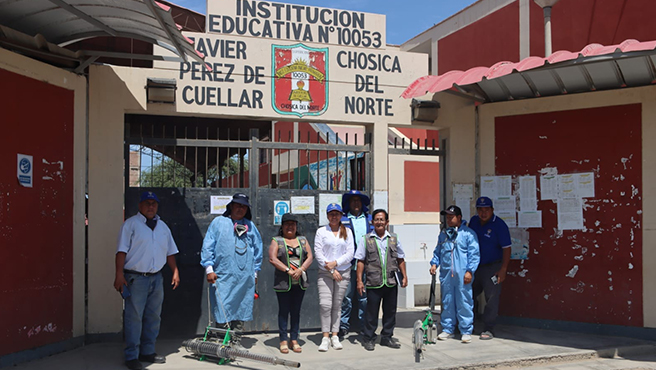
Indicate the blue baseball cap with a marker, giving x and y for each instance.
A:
(149, 195)
(334, 207)
(483, 202)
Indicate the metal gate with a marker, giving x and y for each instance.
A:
(185, 161)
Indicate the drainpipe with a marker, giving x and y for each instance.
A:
(546, 6)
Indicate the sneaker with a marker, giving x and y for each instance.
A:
(466, 338)
(325, 344)
(342, 333)
(334, 341)
(369, 345)
(444, 336)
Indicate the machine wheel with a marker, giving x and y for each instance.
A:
(418, 340)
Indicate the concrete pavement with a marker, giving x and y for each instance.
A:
(514, 347)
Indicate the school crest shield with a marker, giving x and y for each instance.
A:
(300, 80)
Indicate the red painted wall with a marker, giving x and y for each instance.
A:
(576, 24)
(607, 289)
(36, 224)
(422, 190)
(489, 40)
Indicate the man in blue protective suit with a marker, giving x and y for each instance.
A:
(232, 257)
(457, 255)
(357, 218)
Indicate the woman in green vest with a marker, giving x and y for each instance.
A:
(291, 256)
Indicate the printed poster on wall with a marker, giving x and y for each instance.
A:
(528, 200)
(218, 204)
(519, 246)
(549, 187)
(24, 170)
(570, 214)
(280, 207)
(303, 205)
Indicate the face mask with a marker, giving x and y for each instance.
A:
(240, 229)
(451, 232)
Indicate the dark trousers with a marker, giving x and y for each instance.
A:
(289, 307)
(388, 296)
(483, 284)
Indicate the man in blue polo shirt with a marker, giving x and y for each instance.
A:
(494, 241)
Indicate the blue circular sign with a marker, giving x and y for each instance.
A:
(24, 166)
(282, 208)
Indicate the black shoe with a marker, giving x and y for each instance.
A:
(342, 333)
(153, 358)
(134, 364)
(369, 345)
(390, 342)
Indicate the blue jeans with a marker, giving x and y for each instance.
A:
(347, 303)
(289, 307)
(141, 317)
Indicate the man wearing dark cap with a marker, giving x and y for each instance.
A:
(232, 257)
(457, 255)
(494, 240)
(357, 218)
(145, 244)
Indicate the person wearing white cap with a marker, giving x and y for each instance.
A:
(333, 250)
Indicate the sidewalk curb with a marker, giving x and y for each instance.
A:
(642, 349)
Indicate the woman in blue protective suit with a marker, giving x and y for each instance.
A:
(232, 256)
(457, 255)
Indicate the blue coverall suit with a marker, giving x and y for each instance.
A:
(456, 253)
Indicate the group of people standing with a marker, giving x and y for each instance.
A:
(360, 264)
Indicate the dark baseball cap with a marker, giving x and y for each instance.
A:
(452, 210)
(289, 217)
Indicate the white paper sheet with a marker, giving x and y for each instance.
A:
(505, 204)
(324, 201)
(465, 206)
(280, 207)
(509, 217)
(549, 187)
(567, 186)
(218, 203)
(504, 186)
(585, 185)
(380, 201)
(463, 191)
(528, 193)
(304, 205)
(526, 219)
(570, 214)
(489, 186)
